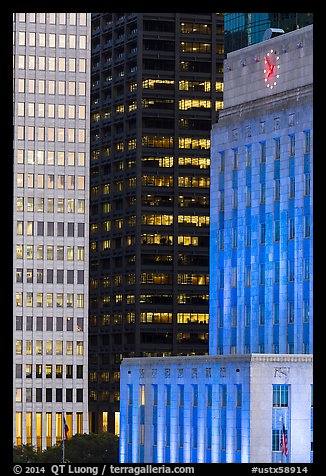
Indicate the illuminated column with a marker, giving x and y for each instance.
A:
(187, 421)
(216, 425)
(202, 401)
(135, 424)
(245, 417)
(230, 424)
(174, 425)
(160, 422)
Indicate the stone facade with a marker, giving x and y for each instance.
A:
(214, 409)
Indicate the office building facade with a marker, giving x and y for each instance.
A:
(231, 406)
(50, 225)
(156, 90)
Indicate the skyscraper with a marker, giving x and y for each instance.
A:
(156, 91)
(50, 225)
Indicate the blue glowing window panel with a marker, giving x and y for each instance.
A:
(167, 426)
(167, 453)
(306, 333)
(291, 166)
(291, 291)
(130, 433)
(223, 439)
(155, 394)
(168, 394)
(223, 398)
(129, 451)
(291, 333)
(248, 176)
(167, 416)
(155, 454)
(238, 399)
(129, 394)
(306, 247)
(194, 436)
(181, 437)
(155, 426)
(306, 163)
(209, 396)
(235, 179)
(306, 290)
(208, 458)
(142, 414)
(221, 184)
(181, 416)
(194, 455)
(238, 419)
(195, 395)
(277, 210)
(209, 438)
(223, 418)
(181, 395)
(141, 453)
(181, 455)
(306, 205)
(129, 414)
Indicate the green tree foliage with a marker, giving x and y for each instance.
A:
(86, 448)
(24, 454)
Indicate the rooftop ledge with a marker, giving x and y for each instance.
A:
(198, 359)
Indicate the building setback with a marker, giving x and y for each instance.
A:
(230, 406)
(156, 91)
(50, 225)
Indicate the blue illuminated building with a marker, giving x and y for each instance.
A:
(230, 406)
(261, 203)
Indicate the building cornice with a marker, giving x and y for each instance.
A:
(223, 359)
(269, 104)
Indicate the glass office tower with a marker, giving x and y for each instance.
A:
(156, 91)
(50, 225)
(245, 29)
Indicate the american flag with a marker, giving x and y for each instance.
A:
(65, 429)
(284, 441)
